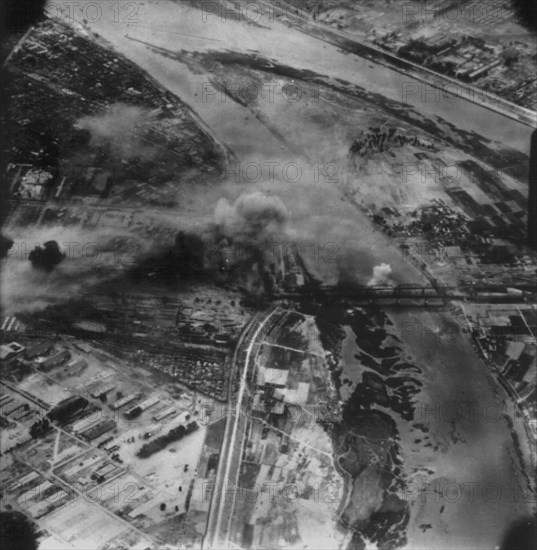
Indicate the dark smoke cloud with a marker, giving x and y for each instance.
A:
(25, 288)
(6, 244)
(252, 223)
(17, 15)
(47, 257)
(526, 13)
(183, 260)
(522, 535)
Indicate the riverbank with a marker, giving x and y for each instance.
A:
(437, 80)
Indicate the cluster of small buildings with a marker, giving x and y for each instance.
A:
(60, 78)
(91, 469)
(13, 408)
(37, 494)
(204, 370)
(466, 58)
(277, 386)
(10, 324)
(29, 182)
(442, 225)
(506, 336)
(378, 140)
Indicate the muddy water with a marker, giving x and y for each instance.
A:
(167, 31)
(319, 215)
(465, 472)
(175, 26)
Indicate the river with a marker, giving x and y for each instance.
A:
(177, 27)
(477, 455)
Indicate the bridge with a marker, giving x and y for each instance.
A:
(412, 293)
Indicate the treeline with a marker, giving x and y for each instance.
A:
(62, 412)
(176, 434)
(134, 413)
(40, 428)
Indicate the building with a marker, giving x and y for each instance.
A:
(273, 377)
(146, 404)
(77, 364)
(23, 482)
(8, 351)
(95, 431)
(481, 71)
(38, 350)
(11, 324)
(33, 184)
(165, 413)
(123, 401)
(56, 359)
(84, 423)
(102, 390)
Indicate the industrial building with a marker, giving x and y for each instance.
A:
(56, 359)
(38, 350)
(95, 431)
(164, 414)
(123, 401)
(77, 364)
(11, 350)
(143, 405)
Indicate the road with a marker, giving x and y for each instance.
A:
(220, 512)
(368, 50)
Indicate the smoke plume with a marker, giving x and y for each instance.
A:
(253, 217)
(122, 128)
(46, 257)
(381, 275)
(90, 258)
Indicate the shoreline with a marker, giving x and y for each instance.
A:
(423, 74)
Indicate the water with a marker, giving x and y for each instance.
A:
(229, 121)
(474, 453)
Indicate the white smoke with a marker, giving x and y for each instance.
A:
(253, 216)
(91, 258)
(122, 127)
(381, 275)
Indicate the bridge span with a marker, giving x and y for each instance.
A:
(410, 294)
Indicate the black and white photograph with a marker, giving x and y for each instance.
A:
(268, 275)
